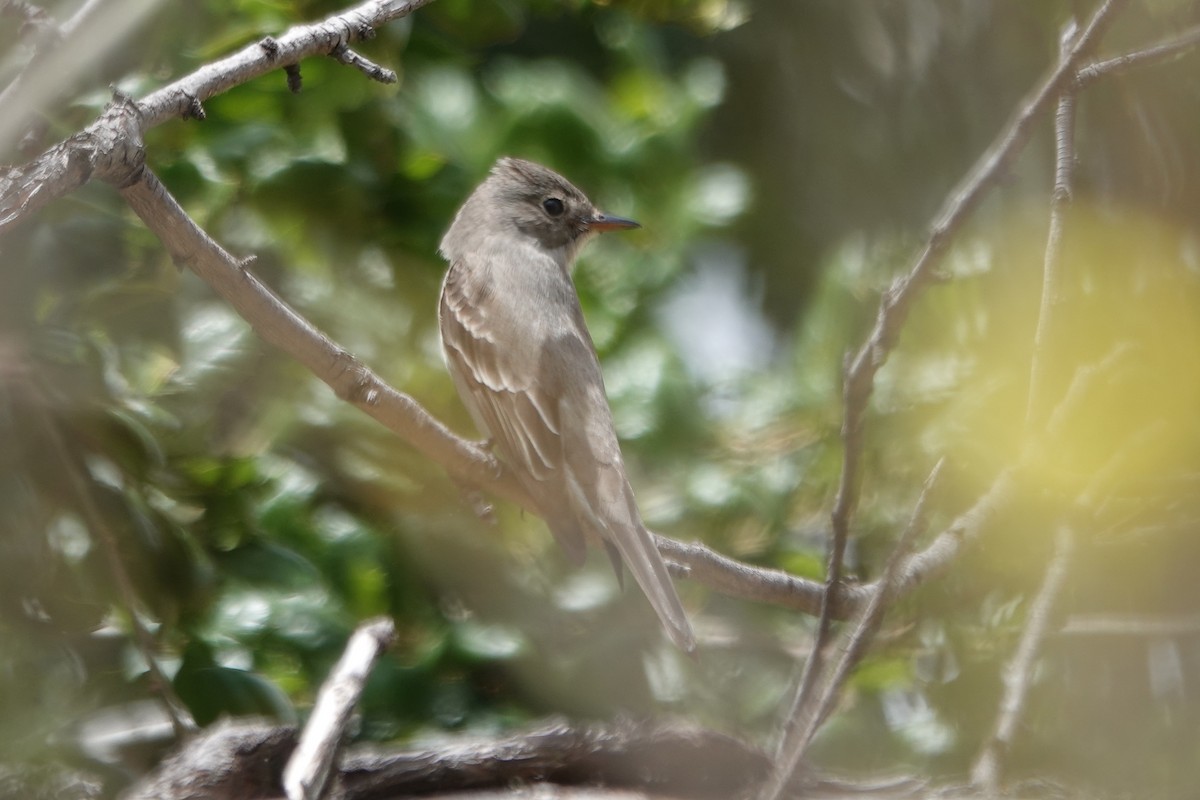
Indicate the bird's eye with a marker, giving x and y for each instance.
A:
(554, 207)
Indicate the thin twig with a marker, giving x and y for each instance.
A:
(987, 771)
(306, 776)
(344, 55)
(1166, 49)
(859, 380)
(860, 374)
(181, 719)
(282, 327)
(1052, 279)
(809, 712)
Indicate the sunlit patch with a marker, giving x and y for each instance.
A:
(1118, 374)
(489, 641)
(449, 96)
(721, 193)
(585, 590)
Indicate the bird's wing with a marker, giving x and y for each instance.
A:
(497, 373)
(536, 385)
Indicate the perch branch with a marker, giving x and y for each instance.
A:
(281, 326)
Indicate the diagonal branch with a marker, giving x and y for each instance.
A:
(311, 765)
(859, 380)
(810, 710)
(988, 768)
(281, 326)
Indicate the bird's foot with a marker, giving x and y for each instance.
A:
(489, 446)
(474, 498)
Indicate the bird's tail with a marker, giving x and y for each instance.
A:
(641, 556)
(614, 520)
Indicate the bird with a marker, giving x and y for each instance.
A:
(523, 362)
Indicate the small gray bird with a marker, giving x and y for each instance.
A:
(524, 364)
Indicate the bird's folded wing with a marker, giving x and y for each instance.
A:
(509, 399)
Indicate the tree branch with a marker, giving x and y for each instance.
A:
(988, 768)
(69, 164)
(281, 326)
(810, 709)
(859, 378)
(306, 776)
(1052, 279)
(1162, 51)
(243, 760)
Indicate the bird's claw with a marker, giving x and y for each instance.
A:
(474, 498)
(488, 446)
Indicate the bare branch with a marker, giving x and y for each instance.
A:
(1164, 50)
(986, 772)
(69, 164)
(988, 768)
(898, 299)
(282, 327)
(859, 379)
(1131, 625)
(181, 719)
(810, 710)
(252, 61)
(306, 776)
(1052, 279)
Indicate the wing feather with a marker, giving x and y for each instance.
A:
(506, 396)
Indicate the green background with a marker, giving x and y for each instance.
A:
(784, 160)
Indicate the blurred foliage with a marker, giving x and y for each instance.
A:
(782, 161)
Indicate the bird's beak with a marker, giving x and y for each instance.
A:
(607, 222)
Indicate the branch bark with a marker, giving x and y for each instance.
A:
(88, 154)
(306, 776)
(244, 760)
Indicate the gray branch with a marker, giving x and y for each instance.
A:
(306, 776)
(89, 154)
